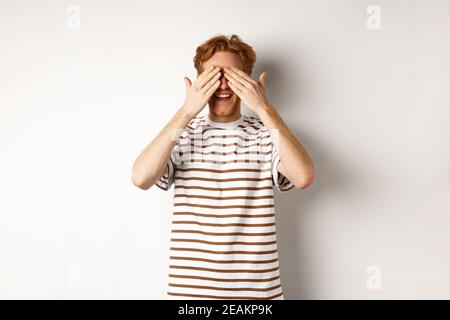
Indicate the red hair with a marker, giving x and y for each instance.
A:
(219, 43)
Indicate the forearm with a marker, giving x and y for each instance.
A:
(296, 160)
(151, 163)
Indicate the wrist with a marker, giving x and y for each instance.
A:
(266, 110)
(186, 113)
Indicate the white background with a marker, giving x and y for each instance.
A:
(371, 106)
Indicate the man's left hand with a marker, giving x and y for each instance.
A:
(250, 91)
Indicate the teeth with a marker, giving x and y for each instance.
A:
(223, 95)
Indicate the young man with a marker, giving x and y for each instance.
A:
(224, 166)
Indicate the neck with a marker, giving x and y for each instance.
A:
(225, 118)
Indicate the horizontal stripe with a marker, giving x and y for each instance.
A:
(254, 125)
(222, 207)
(225, 289)
(196, 121)
(236, 247)
(289, 188)
(225, 188)
(223, 252)
(194, 160)
(224, 297)
(223, 180)
(161, 186)
(224, 280)
(223, 171)
(223, 153)
(224, 233)
(225, 224)
(227, 284)
(225, 215)
(180, 186)
(222, 261)
(200, 143)
(227, 206)
(252, 120)
(223, 243)
(204, 130)
(221, 137)
(224, 271)
(221, 198)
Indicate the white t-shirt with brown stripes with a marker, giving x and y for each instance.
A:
(223, 239)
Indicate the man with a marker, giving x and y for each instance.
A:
(224, 166)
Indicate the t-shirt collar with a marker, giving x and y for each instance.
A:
(225, 125)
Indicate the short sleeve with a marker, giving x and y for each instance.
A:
(166, 180)
(281, 182)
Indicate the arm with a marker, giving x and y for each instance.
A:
(151, 163)
(296, 165)
(295, 162)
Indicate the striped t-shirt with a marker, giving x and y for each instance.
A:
(223, 239)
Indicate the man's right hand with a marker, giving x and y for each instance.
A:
(199, 92)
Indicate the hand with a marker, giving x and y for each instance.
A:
(199, 92)
(251, 92)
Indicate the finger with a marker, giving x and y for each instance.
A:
(205, 72)
(187, 82)
(262, 79)
(235, 82)
(210, 83)
(232, 75)
(206, 76)
(242, 74)
(242, 77)
(204, 79)
(213, 89)
(237, 78)
(235, 89)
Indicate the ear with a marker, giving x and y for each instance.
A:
(187, 82)
(262, 79)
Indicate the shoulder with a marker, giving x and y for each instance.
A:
(192, 127)
(195, 122)
(254, 123)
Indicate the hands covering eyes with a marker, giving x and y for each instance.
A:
(250, 91)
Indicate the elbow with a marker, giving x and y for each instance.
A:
(140, 183)
(305, 179)
(140, 180)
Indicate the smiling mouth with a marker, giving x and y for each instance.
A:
(223, 96)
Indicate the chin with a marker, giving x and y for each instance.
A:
(223, 110)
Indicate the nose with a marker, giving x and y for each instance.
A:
(223, 80)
